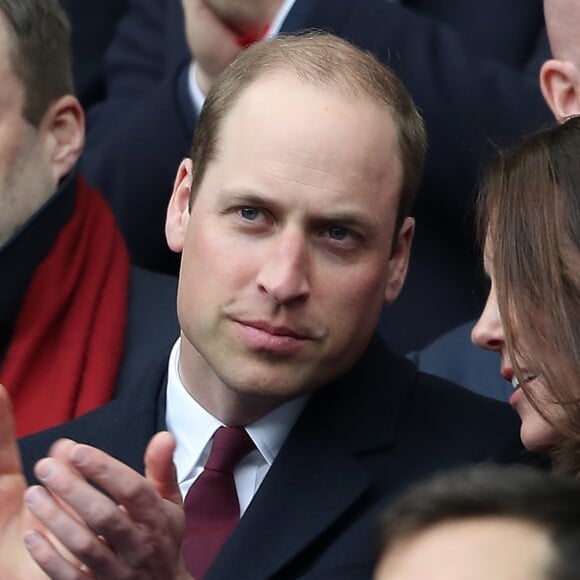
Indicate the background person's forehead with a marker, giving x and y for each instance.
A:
(478, 548)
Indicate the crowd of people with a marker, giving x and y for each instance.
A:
(236, 322)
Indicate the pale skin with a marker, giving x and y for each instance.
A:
(32, 159)
(15, 518)
(536, 433)
(137, 534)
(293, 222)
(245, 16)
(213, 30)
(279, 196)
(560, 76)
(473, 548)
(27, 516)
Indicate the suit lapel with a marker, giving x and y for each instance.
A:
(317, 476)
(319, 481)
(122, 427)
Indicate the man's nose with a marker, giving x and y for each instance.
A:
(285, 272)
(488, 332)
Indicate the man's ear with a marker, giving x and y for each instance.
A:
(178, 208)
(63, 130)
(399, 260)
(560, 84)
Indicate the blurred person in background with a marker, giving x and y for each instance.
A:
(482, 523)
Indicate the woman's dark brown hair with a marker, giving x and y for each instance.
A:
(529, 213)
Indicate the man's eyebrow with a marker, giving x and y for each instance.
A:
(246, 197)
(346, 218)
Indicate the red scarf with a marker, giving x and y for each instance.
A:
(67, 344)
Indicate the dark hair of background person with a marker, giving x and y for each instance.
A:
(530, 206)
(39, 32)
(518, 492)
(320, 60)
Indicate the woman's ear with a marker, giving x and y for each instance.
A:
(560, 84)
(178, 208)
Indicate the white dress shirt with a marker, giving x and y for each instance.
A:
(197, 96)
(193, 427)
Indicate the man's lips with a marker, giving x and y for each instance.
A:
(277, 330)
(277, 340)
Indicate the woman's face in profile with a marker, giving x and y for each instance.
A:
(537, 433)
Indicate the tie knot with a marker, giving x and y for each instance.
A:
(230, 446)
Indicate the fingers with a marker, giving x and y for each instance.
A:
(100, 513)
(50, 560)
(134, 533)
(125, 485)
(159, 467)
(79, 532)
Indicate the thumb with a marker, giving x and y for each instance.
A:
(9, 453)
(159, 468)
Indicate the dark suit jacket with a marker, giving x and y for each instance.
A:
(471, 67)
(359, 441)
(152, 326)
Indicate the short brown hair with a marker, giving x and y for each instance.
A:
(322, 60)
(516, 492)
(40, 52)
(530, 206)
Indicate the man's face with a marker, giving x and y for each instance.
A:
(287, 250)
(477, 548)
(25, 177)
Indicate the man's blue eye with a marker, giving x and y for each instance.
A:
(337, 233)
(250, 213)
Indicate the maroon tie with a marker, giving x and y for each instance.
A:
(212, 509)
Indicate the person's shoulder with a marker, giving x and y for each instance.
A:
(110, 419)
(151, 328)
(151, 280)
(434, 407)
(451, 408)
(122, 427)
(152, 299)
(451, 398)
(152, 310)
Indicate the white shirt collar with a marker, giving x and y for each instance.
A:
(280, 17)
(193, 426)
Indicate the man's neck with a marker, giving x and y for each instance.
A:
(225, 403)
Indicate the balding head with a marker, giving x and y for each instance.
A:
(560, 76)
